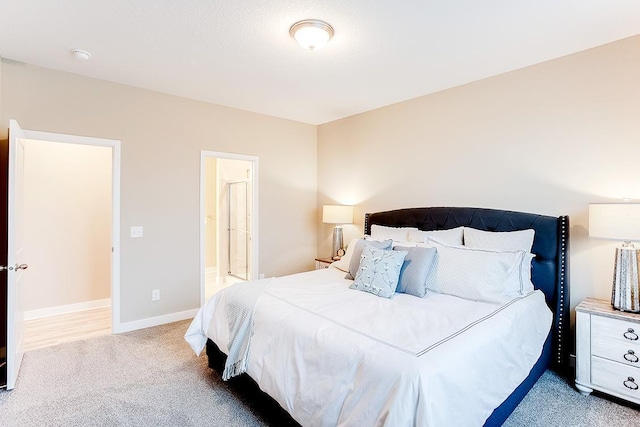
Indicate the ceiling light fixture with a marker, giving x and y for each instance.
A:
(81, 54)
(311, 33)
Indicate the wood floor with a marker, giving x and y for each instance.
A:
(48, 331)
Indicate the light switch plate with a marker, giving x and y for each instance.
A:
(136, 231)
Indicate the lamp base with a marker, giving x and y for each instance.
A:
(337, 241)
(625, 295)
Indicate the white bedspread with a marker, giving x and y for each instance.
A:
(331, 355)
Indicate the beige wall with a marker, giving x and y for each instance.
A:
(67, 212)
(550, 139)
(162, 137)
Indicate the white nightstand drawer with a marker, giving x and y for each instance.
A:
(613, 349)
(615, 329)
(616, 378)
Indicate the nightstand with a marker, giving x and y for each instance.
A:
(323, 263)
(607, 350)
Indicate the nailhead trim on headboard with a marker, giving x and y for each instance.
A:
(564, 293)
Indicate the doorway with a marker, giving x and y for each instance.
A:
(18, 141)
(229, 225)
(67, 206)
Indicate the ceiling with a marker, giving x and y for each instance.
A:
(239, 53)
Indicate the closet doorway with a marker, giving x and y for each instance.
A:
(229, 220)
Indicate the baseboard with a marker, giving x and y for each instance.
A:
(66, 309)
(155, 321)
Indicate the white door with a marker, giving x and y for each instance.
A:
(15, 268)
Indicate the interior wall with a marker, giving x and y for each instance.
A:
(210, 206)
(67, 213)
(549, 139)
(162, 137)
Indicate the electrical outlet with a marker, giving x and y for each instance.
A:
(155, 295)
(136, 231)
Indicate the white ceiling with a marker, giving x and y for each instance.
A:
(239, 53)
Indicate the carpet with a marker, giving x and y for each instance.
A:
(152, 378)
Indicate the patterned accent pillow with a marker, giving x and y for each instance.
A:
(354, 263)
(379, 271)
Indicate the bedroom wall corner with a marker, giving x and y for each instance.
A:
(161, 140)
(549, 139)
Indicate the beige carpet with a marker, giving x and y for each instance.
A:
(152, 378)
(143, 378)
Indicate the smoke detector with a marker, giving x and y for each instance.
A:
(81, 54)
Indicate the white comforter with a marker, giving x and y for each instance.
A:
(332, 356)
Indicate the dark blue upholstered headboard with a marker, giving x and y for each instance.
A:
(550, 268)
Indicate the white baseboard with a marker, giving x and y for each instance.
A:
(66, 309)
(155, 321)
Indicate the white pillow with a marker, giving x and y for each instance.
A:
(398, 234)
(479, 274)
(343, 263)
(450, 237)
(394, 242)
(521, 240)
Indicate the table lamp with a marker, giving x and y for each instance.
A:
(339, 215)
(620, 221)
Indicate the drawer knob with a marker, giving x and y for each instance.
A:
(631, 335)
(630, 383)
(631, 357)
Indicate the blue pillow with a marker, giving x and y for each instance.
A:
(413, 275)
(354, 264)
(379, 271)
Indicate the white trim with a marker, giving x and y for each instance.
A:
(155, 321)
(115, 205)
(255, 262)
(66, 309)
(69, 139)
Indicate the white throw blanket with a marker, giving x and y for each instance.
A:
(240, 303)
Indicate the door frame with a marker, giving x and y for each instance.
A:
(115, 206)
(255, 262)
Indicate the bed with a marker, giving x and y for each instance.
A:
(338, 357)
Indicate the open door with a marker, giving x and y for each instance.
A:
(4, 176)
(14, 269)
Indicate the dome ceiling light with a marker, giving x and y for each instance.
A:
(311, 33)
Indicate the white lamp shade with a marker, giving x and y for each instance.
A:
(337, 214)
(615, 221)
